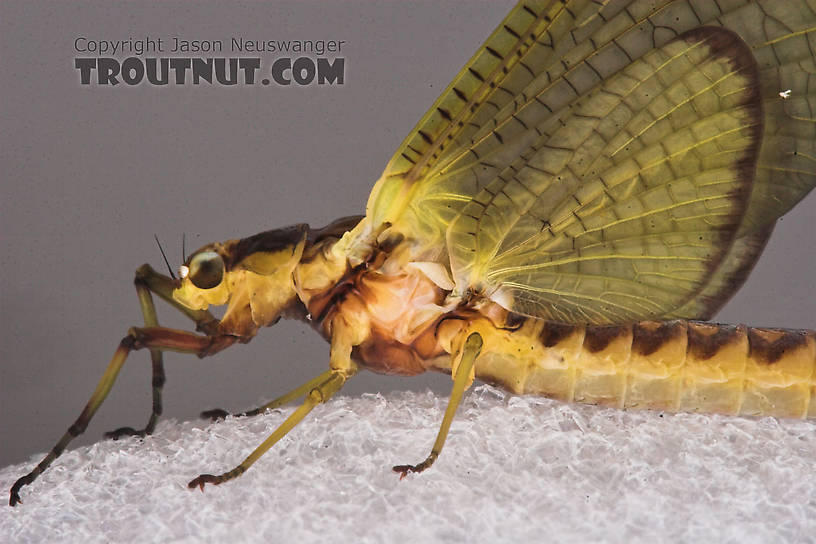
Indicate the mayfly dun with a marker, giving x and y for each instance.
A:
(592, 186)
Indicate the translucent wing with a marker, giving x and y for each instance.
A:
(616, 162)
(727, 278)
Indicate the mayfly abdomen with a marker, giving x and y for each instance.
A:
(674, 365)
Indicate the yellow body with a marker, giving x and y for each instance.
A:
(404, 323)
(676, 366)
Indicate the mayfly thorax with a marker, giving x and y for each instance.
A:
(594, 185)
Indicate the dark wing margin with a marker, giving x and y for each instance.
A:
(727, 278)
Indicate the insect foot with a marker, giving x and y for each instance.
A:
(403, 470)
(14, 495)
(203, 479)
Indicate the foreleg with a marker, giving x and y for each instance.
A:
(149, 281)
(153, 338)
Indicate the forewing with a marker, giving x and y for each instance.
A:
(550, 63)
(627, 201)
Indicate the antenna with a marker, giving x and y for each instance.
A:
(170, 270)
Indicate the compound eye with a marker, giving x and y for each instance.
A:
(206, 270)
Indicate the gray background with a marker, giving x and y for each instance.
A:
(89, 174)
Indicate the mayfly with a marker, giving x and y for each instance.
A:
(597, 180)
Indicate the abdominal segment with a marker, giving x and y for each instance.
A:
(674, 365)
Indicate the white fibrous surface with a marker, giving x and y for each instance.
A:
(514, 469)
